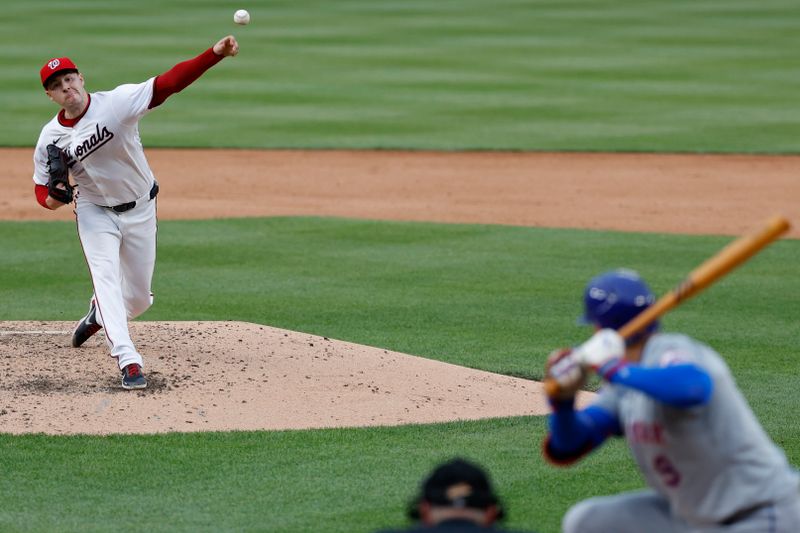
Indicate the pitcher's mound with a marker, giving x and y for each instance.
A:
(221, 376)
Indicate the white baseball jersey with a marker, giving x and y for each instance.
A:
(108, 164)
(104, 150)
(710, 461)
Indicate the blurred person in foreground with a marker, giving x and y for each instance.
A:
(456, 497)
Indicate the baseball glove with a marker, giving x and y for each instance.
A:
(58, 187)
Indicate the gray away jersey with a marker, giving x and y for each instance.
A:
(709, 461)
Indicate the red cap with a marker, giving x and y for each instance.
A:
(54, 66)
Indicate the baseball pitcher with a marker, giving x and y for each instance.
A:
(709, 465)
(95, 139)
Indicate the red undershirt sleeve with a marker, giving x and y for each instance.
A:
(181, 76)
(41, 195)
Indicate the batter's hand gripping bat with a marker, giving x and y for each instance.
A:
(733, 255)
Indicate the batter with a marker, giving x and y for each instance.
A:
(115, 202)
(708, 462)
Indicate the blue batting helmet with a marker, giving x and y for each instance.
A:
(613, 298)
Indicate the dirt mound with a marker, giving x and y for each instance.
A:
(221, 376)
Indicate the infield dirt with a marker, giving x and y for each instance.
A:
(226, 376)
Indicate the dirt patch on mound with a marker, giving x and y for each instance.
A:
(222, 376)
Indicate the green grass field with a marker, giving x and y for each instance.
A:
(492, 297)
(683, 75)
(688, 76)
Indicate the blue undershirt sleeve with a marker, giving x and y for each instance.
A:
(574, 433)
(681, 385)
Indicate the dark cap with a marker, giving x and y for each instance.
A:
(57, 65)
(457, 483)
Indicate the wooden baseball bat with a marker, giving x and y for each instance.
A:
(733, 255)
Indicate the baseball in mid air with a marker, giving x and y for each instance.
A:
(241, 17)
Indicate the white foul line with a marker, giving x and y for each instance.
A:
(36, 332)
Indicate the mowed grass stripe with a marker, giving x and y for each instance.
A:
(576, 75)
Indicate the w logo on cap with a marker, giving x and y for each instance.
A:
(54, 66)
